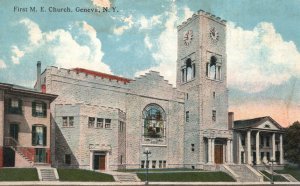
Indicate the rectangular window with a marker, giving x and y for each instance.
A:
(153, 164)
(68, 159)
(99, 122)
(39, 135)
(65, 121)
(219, 73)
(15, 106)
(40, 155)
(160, 164)
(194, 70)
(121, 126)
(268, 141)
(182, 76)
(164, 164)
(187, 116)
(262, 141)
(192, 147)
(214, 95)
(91, 122)
(71, 121)
(142, 164)
(214, 115)
(14, 103)
(107, 123)
(121, 159)
(262, 154)
(39, 109)
(243, 141)
(268, 156)
(68, 121)
(207, 65)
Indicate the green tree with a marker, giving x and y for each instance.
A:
(292, 143)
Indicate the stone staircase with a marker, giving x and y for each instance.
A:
(289, 177)
(126, 178)
(15, 146)
(47, 174)
(243, 173)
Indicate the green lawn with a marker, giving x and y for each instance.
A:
(83, 175)
(295, 172)
(277, 178)
(187, 177)
(18, 174)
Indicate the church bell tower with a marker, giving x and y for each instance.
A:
(202, 76)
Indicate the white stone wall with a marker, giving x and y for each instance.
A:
(83, 96)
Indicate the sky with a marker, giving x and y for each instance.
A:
(133, 37)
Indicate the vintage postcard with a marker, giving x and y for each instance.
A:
(148, 91)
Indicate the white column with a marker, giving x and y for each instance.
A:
(273, 146)
(209, 149)
(228, 151)
(249, 147)
(257, 148)
(281, 150)
(239, 147)
(231, 152)
(213, 150)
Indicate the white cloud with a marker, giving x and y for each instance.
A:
(149, 23)
(128, 21)
(2, 64)
(165, 55)
(102, 3)
(259, 58)
(34, 32)
(76, 47)
(187, 13)
(147, 42)
(17, 54)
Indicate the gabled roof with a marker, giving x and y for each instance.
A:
(255, 122)
(102, 75)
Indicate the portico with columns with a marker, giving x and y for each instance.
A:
(258, 141)
(219, 146)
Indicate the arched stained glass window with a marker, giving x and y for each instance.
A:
(154, 121)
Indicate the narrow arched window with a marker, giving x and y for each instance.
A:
(213, 68)
(154, 121)
(189, 71)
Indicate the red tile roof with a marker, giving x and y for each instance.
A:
(102, 75)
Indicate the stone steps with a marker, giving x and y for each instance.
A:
(289, 177)
(22, 155)
(126, 178)
(245, 173)
(47, 174)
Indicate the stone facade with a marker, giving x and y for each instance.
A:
(191, 117)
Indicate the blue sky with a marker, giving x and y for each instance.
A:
(263, 41)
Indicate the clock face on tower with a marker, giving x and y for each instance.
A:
(188, 37)
(213, 34)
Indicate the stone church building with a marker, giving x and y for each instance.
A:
(106, 122)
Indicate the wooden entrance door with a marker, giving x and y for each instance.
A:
(218, 154)
(102, 162)
(14, 131)
(99, 161)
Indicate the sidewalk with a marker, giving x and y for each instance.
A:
(55, 183)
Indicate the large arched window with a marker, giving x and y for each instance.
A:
(213, 69)
(154, 121)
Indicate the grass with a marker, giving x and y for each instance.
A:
(295, 172)
(18, 174)
(277, 178)
(187, 177)
(83, 175)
